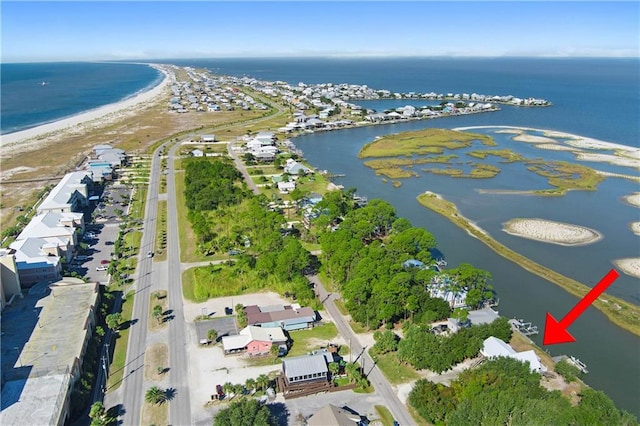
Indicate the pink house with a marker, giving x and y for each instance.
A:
(254, 341)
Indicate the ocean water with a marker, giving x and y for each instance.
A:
(69, 89)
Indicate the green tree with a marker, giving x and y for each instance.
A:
(244, 412)
(114, 321)
(386, 341)
(567, 370)
(155, 395)
(157, 312)
(334, 368)
(97, 413)
(212, 335)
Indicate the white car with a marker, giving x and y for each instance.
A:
(102, 268)
(149, 254)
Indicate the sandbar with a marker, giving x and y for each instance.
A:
(549, 231)
(633, 199)
(36, 136)
(629, 265)
(532, 139)
(635, 227)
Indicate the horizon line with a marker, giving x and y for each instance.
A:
(399, 56)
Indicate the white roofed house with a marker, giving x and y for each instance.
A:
(306, 368)
(494, 348)
(286, 187)
(208, 138)
(267, 137)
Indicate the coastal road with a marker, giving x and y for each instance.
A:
(132, 391)
(180, 406)
(377, 379)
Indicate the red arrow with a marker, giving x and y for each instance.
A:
(556, 331)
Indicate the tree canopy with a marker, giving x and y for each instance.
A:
(246, 412)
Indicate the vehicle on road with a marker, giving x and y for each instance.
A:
(82, 257)
(102, 268)
(149, 254)
(104, 262)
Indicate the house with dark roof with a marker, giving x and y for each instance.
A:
(287, 317)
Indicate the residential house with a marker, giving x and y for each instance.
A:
(286, 187)
(494, 347)
(289, 317)
(292, 167)
(254, 341)
(208, 138)
(197, 153)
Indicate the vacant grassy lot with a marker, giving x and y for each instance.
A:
(116, 371)
(396, 372)
(313, 338)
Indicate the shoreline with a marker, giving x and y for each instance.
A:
(12, 142)
(624, 314)
(549, 231)
(576, 141)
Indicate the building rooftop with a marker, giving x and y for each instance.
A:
(42, 336)
(304, 365)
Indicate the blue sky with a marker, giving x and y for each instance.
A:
(50, 31)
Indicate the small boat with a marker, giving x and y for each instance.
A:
(44, 83)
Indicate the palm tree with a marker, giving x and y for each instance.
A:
(227, 387)
(250, 384)
(262, 382)
(212, 335)
(155, 395)
(238, 389)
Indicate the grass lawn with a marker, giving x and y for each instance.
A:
(393, 370)
(156, 356)
(385, 415)
(307, 340)
(116, 369)
(155, 414)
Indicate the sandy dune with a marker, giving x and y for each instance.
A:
(551, 232)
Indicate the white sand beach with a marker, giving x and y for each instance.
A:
(555, 147)
(549, 231)
(630, 266)
(19, 141)
(635, 227)
(633, 199)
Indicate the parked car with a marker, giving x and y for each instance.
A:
(149, 254)
(104, 261)
(102, 268)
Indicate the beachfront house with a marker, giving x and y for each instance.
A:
(292, 167)
(286, 187)
(493, 347)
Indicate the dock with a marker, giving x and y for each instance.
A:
(573, 361)
(524, 328)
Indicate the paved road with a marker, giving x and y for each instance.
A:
(240, 166)
(376, 377)
(132, 386)
(180, 407)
